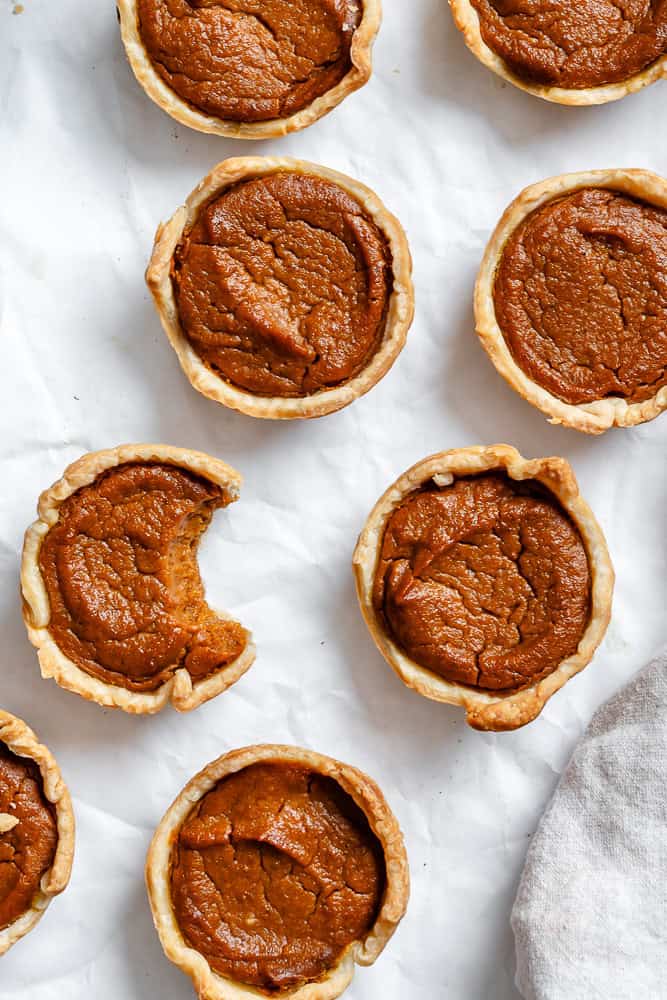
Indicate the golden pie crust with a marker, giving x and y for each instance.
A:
(467, 21)
(21, 740)
(142, 67)
(600, 415)
(179, 689)
(485, 710)
(365, 793)
(398, 320)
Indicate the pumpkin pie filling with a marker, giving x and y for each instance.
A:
(282, 285)
(249, 60)
(274, 874)
(28, 835)
(580, 296)
(120, 570)
(485, 582)
(578, 45)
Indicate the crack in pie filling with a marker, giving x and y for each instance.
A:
(282, 285)
(274, 872)
(118, 567)
(28, 835)
(571, 298)
(249, 60)
(581, 296)
(485, 581)
(574, 44)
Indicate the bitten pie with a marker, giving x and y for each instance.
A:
(571, 298)
(249, 69)
(485, 581)
(577, 53)
(274, 872)
(284, 287)
(36, 830)
(112, 596)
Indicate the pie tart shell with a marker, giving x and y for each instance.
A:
(179, 688)
(21, 740)
(487, 710)
(167, 99)
(399, 315)
(209, 984)
(466, 19)
(600, 415)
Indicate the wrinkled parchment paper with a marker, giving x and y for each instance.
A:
(89, 166)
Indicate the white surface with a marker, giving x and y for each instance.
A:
(89, 166)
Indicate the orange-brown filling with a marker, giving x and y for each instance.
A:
(274, 874)
(249, 60)
(581, 297)
(120, 569)
(580, 44)
(282, 285)
(485, 582)
(28, 846)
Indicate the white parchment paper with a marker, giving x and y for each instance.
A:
(89, 166)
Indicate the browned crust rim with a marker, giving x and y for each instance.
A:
(209, 984)
(21, 740)
(485, 710)
(399, 316)
(179, 689)
(360, 55)
(602, 414)
(467, 21)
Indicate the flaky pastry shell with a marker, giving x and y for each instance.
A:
(210, 985)
(159, 91)
(486, 710)
(179, 688)
(466, 19)
(203, 379)
(600, 415)
(21, 740)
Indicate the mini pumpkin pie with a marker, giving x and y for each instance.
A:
(36, 830)
(576, 52)
(571, 298)
(485, 581)
(274, 872)
(284, 287)
(112, 596)
(249, 69)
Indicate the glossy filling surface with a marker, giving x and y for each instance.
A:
(120, 569)
(28, 835)
(574, 44)
(282, 285)
(580, 295)
(249, 60)
(485, 582)
(274, 874)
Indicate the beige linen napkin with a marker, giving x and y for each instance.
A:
(590, 917)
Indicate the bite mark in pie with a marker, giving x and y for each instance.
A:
(113, 596)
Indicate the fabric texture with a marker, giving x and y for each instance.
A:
(590, 917)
